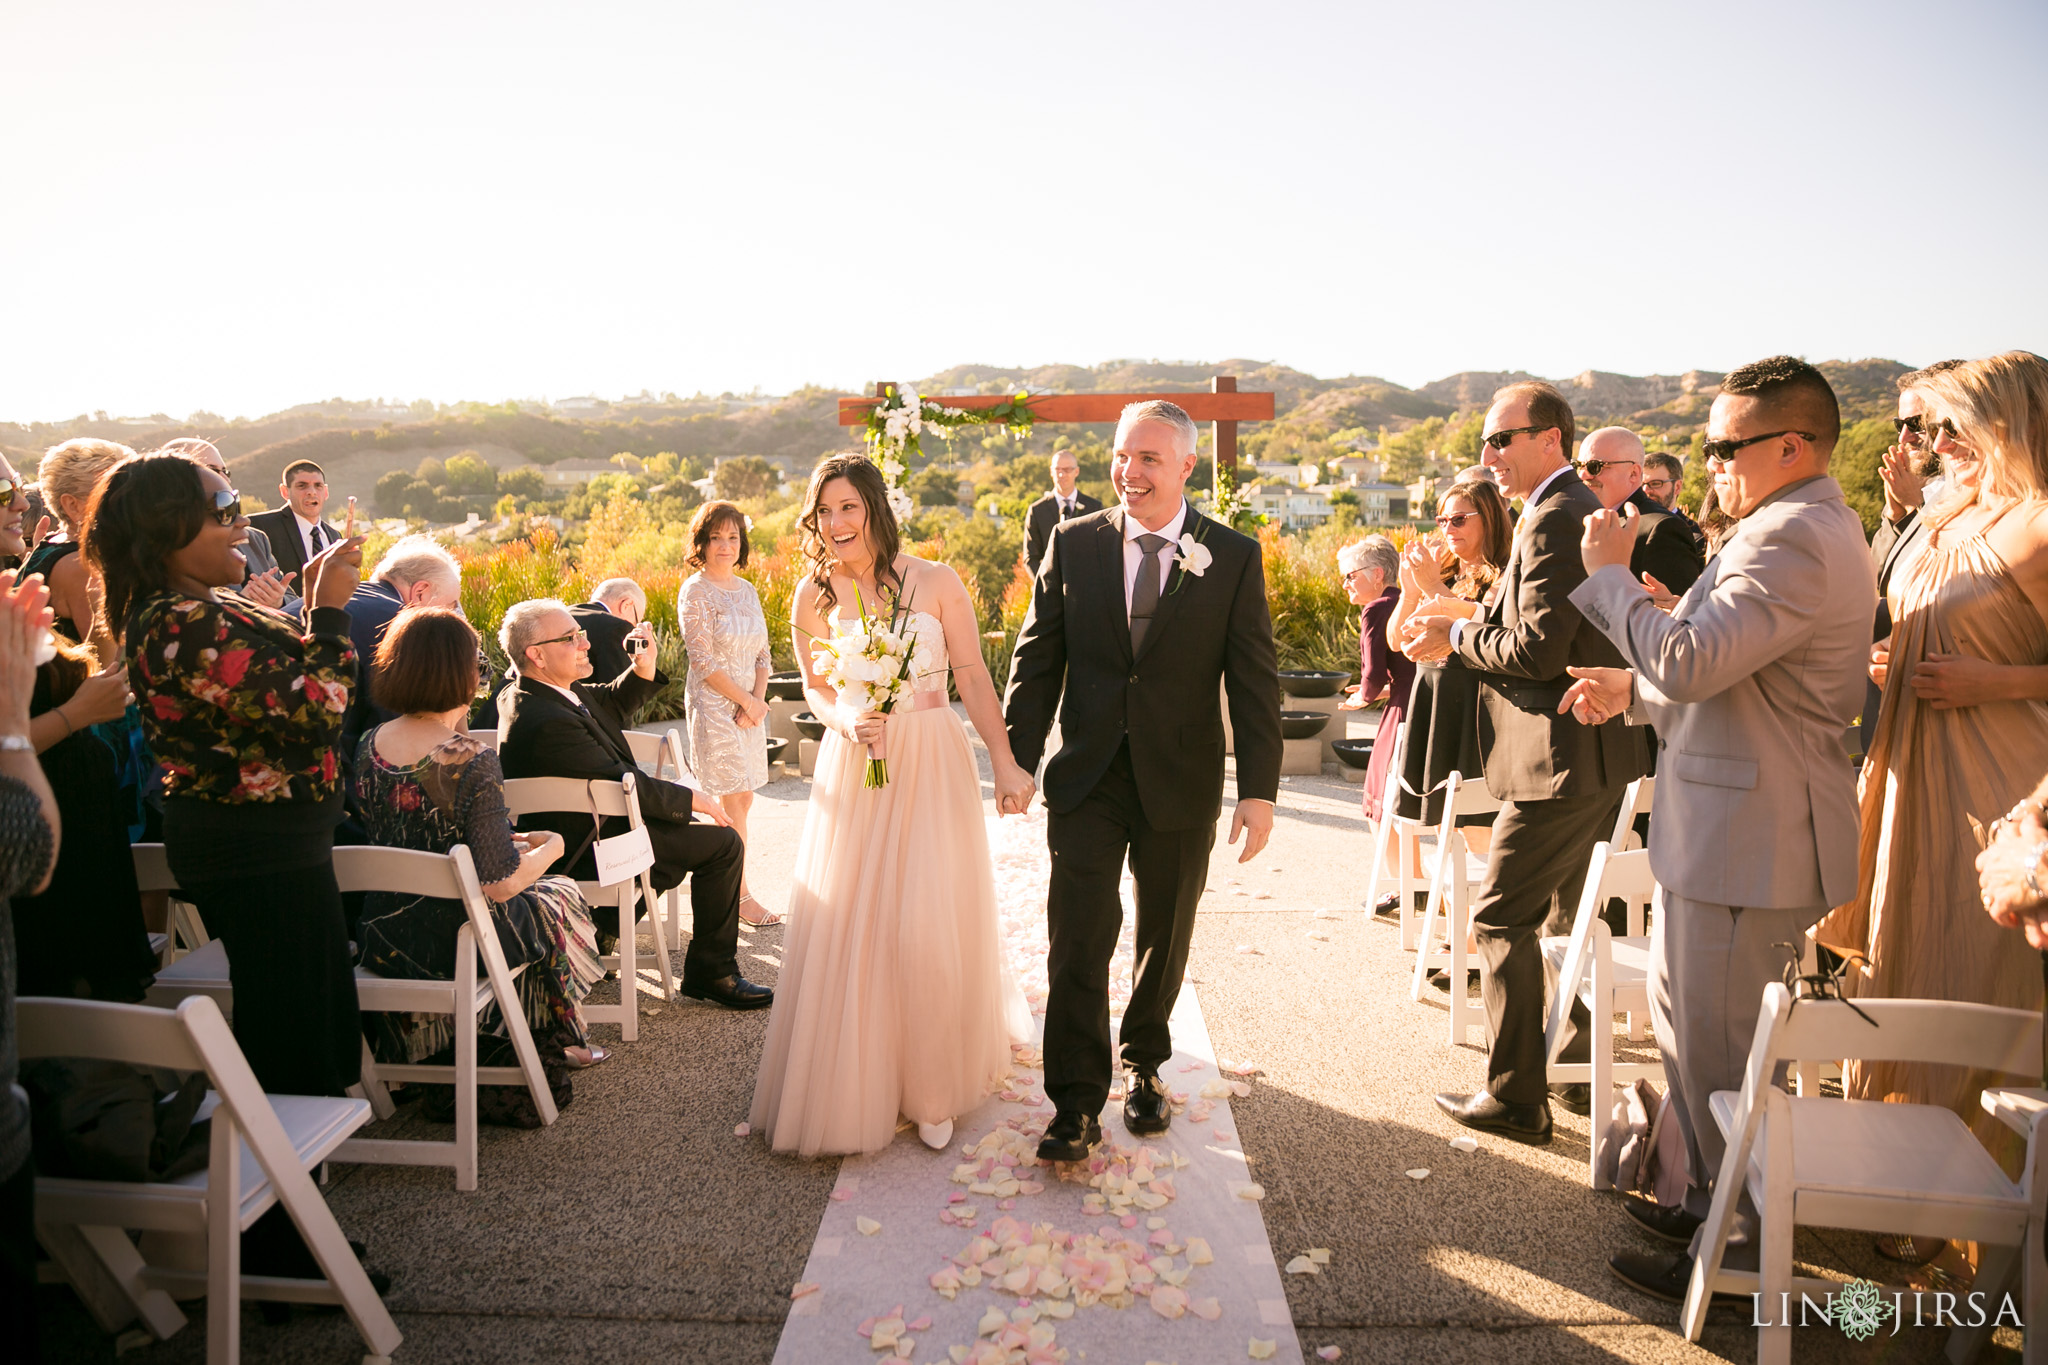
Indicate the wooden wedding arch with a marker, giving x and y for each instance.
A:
(1223, 407)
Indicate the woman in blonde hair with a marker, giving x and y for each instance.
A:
(1938, 772)
(67, 475)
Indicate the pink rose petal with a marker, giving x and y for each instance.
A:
(802, 1288)
(742, 1130)
(1329, 1352)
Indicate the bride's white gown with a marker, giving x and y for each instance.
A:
(893, 997)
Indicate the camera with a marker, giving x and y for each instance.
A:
(637, 644)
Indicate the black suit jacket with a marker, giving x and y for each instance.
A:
(609, 660)
(1665, 546)
(371, 610)
(1074, 656)
(544, 736)
(1043, 516)
(1526, 637)
(282, 528)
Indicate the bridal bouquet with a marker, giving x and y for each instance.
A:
(870, 664)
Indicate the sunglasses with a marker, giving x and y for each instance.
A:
(1500, 440)
(16, 489)
(227, 507)
(573, 637)
(1723, 452)
(1593, 469)
(1902, 425)
(1455, 521)
(1945, 427)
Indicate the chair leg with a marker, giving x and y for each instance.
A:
(1458, 924)
(1996, 1273)
(1406, 846)
(1602, 1056)
(373, 1087)
(466, 1024)
(663, 941)
(629, 968)
(1379, 860)
(1425, 940)
(224, 1242)
(1774, 1343)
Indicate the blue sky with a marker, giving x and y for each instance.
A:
(239, 207)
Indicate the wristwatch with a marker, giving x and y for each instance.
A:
(16, 744)
(2033, 871)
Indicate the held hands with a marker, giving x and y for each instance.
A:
(1599, 695)
(1253, 818)
(1014, 789)
(1609, 539)
(2002, 870)
(749, 712)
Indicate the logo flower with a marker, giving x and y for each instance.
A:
(1860, 1309)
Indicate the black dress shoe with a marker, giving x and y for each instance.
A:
(1528, 1123)
(1069, 1137)
(1146, 1112)
(1670, 1225)
(1441, 979)
(1577, 1099)
(734, 992)
(1663, 1277)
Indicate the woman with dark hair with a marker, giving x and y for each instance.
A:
(726, 635)
(893, 999)
(422, 783)
(1474, 536)
(83, 934)
(242, 706)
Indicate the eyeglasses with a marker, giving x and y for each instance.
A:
(1723, 452)
(1455, 521)
(1945, 427)
(1593, 469)
(16, 489)
(1902, 425)
(580, 637)
(1656, 485)
(1501, 439)
(227, 506)
(1351, 574)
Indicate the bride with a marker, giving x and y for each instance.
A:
(893, 997)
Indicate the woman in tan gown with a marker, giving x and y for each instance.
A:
(1939, 772)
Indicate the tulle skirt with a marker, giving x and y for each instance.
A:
(893, 998)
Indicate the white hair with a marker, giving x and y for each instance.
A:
(613, 589)
(1158, 410)
(1374, 552)
(417, 559)
(521, 626)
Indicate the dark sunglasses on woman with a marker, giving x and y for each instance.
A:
(16, 490)
(227, 506)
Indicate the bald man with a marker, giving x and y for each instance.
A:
(1611, 464)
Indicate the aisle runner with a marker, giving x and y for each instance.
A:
(977, 1254)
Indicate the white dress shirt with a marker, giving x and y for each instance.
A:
(1134, 555)
(1536, 496)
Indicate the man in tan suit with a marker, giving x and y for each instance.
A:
(1750, 682)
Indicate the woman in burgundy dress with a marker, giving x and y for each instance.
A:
(1371, 569)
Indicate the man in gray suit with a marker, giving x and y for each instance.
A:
(1749, 681)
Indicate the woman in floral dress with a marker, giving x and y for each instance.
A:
(726, 635)
(423, 783)
(242, 705)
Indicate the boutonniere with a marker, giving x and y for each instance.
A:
(1192, 557)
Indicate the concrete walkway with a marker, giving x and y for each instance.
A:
(639, 1228)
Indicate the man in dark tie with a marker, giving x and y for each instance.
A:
(296, 530)
(1065, 501)
(551, 729)
(614, 609)
(1559, 783)
(1612, 463)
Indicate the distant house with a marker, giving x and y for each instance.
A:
(588, 403)
(1354, 469)
(1382, 501)
(1301, 475)
(574, 473)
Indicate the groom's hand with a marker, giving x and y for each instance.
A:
(1254, 820)
(1014, 792)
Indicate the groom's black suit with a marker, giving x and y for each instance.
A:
(1139, 770)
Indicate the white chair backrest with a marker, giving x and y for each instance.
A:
(134, 1034)
(404, 870)
(572, 796)
(152, 868)
(1609, 875)
(1467, 796)
(487, 738)
(1636, 801)
(1939, 1032)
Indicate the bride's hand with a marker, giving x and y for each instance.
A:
(862, 727)
(1014, 790)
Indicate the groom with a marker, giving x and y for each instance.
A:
(1137, 614)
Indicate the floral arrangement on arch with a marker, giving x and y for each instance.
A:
(896, 426)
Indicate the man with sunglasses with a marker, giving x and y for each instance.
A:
(1560, 784)
(1910, 469)
(1666, 555)
(1749, 681)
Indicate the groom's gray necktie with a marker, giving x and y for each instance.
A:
(1145, 592)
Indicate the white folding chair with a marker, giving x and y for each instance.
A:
(153, 873)
(1637, 800)
(202, 967)
(1452, 889)
(263, 1148)
(1612, 976)
(1869, 1166)
(1406, 834)
(487, 738)
(526, 796)
(451, 876)
(660, 754)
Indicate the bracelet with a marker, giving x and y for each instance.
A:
(16, 744)
(2033, 869)
(69, 728)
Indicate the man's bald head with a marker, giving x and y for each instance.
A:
(1617, 454)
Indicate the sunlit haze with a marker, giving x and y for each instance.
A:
(241, 207)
